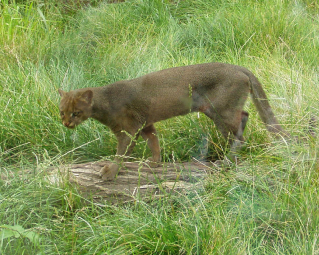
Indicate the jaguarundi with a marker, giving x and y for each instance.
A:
(132, 107)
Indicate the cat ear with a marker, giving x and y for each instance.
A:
(61, 92)
(87, 96)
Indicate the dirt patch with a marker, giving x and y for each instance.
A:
(135, 181)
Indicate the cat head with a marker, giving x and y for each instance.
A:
(75, 107)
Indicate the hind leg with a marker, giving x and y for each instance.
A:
(238, 139)
(231, 123)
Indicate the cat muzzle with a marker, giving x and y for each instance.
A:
(68, 125)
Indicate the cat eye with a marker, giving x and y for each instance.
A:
(62, 114)
(76, 114)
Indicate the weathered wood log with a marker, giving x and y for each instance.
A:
(136, 180)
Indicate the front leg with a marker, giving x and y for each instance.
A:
(125, 146)
(149, 135)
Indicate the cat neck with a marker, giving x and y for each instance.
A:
(101, 105)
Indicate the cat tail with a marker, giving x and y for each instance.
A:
(263, 107)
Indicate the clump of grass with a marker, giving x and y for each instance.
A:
(267, 212)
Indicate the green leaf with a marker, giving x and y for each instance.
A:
(33, 237)
(18, 231)
(9, 231)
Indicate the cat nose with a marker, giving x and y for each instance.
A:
(67, 124)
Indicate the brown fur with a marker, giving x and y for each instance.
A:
(216, 89)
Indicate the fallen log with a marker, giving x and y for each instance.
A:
(136, 180)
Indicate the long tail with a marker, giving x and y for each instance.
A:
(264, 109)
(267, 115)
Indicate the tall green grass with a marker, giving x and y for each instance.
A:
(266, 205)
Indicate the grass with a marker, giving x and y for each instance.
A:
(267, 205)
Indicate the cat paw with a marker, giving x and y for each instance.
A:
(109, 172)
(225, 163)
(152, 164)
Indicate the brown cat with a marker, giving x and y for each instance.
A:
(131, 107)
